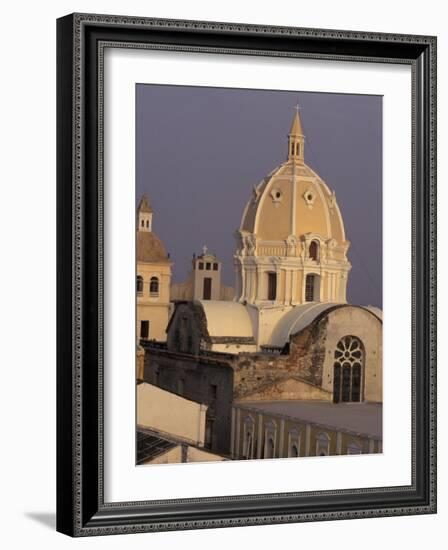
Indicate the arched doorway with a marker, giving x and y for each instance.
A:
(348, 370)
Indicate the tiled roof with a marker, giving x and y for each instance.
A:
(151, 444)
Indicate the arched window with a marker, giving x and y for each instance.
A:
(293, 451)
(293, 443)
(312, 283)
(147, 223)
(322, 444)
(353, 449)
(314, 251)
(270, 434)
(248, 446)
(154, 286)
(348, 370)
(298, 149)
(269, 450)
(139, 284)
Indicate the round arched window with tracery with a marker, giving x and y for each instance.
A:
(348, 370)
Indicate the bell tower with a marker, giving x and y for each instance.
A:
(206, 276)
(144, 215)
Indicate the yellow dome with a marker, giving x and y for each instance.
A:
(269, 214)
(291, 245)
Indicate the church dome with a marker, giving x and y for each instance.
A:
(293, 200)
(150, 248)
(291, 244)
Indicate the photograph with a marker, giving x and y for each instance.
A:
(258, 266)
(246, 274)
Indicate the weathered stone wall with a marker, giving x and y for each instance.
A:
(187, 329)
(310, 354)
(200, 379)
(290, 388)
(305, 360)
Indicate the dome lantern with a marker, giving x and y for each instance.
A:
(296, 139)
(144, 215)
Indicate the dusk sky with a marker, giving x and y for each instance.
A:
(199, 151)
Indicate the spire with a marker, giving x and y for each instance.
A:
(144, 205)
(296, 139)
(296, 126)
(144, 215)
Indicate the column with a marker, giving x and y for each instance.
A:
(280, 453)
(293, 287)
(260, 435)
(238, 430)
(232, 434)
(338, 443)
(287, 287)
(307, 439)
(258, 293)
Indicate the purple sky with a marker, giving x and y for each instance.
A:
(200, 151)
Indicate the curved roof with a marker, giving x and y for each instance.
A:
(269, 219)
(301, 316)
(150, 248)
(376, 311)
(229, 319)
(297, 319)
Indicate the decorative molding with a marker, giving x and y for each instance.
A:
(309, 196)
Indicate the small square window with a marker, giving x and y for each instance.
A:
(215, 267)
(208, 266)
(201, 265)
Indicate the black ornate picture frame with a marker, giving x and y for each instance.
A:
(81, 507)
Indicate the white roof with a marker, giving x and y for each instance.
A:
(227, 318)
(297, 319)
(301, 316)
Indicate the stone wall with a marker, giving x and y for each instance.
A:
(305, 359)
(201, 379)
(287, 389)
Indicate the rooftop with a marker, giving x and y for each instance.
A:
(151, 444)
(362, 418)
(150, 248)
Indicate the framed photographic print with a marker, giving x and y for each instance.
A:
(246, 274)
